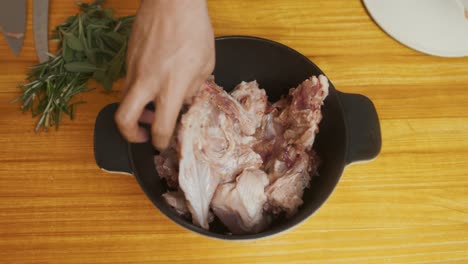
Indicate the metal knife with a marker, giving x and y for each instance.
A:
(40, 28)
(13, 23)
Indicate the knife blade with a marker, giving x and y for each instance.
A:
(40, 28)
(13, 23)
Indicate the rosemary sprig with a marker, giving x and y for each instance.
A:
(92, 45)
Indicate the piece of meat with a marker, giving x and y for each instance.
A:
(226, 142)
(304, 112)
(288, 162)
(269, 140)
(270, 134)
(291, 121)
(245, 158)
(167, 166)
(239, 205)
(177, 201)
(253, 99)
(196, 179)
(285, 193)
(283, 161)
(232, 108)
(213, 148)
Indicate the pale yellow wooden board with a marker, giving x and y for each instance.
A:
(409, 205)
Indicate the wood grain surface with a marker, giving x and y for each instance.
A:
(410, 205)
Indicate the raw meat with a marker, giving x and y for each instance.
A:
(269, 136)
(290, 166)
(253, 99)
(244, 158)
(304, 113)
(214, 147)
(177, 201)
(292, 176)
(239, 205)
(167, 166)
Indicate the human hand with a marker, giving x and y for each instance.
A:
(170, 55)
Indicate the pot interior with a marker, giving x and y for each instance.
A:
(276, 68)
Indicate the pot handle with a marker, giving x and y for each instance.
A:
(363, 129)
(111, 150)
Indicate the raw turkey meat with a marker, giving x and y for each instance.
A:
(291, 177)
(292, 161)
(239, 204)
(167, 165)
(252, 99)
(242, 158)
(215, 146)
(177, 201)
(304, 112)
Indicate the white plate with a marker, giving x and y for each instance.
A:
(436, 27)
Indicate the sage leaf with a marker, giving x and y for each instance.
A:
(67, 53)
(73, 42)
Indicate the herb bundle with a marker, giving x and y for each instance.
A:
(92, 45)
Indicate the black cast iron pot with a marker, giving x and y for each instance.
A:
(349, 130)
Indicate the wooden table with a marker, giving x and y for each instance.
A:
(410, 205)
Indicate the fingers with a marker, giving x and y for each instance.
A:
(167, 110)
(131, 72)
(147, 117)
(132, 64)
(190, 94)
(197, 85)
(129, 112)
(168, 104)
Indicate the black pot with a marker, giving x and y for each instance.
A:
(349, 131)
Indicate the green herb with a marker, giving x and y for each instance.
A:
(92, 45)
